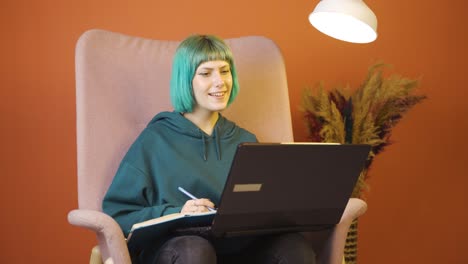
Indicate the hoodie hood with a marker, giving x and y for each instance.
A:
(181, 126)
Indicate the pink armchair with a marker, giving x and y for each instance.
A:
(122, 81)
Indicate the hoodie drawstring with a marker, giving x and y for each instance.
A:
(218, 149)
(216, 142)
(203, 145)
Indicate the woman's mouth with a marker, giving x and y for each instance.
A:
(217, 94)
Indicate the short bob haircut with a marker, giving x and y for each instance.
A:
(192, 52)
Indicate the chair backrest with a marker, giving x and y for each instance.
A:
(123, 81)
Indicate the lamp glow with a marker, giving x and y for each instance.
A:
(347, 20)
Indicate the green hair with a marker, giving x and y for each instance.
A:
(192, 52)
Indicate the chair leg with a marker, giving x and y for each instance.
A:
(96, 257)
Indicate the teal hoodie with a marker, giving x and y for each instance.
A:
(171, 152)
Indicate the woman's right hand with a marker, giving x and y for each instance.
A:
(197, 206)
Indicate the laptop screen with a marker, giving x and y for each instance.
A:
(287, 187)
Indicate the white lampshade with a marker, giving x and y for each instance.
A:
(347, 20)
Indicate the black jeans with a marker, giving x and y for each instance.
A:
(279, 249)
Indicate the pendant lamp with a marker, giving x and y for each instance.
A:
(347, 20)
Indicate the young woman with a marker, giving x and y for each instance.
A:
(192, 147)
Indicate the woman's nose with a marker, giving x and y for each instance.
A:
(218, 79)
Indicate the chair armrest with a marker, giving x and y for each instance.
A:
(333, 250)
(354, 209)
(111, 239)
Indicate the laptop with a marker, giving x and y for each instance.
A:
(273, 188)
(287, 187)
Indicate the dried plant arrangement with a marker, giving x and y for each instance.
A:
(363, 116)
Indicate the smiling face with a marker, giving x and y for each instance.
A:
(212, 84)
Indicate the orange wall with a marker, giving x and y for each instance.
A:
(417, 204)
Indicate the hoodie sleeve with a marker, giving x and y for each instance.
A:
(130, 197)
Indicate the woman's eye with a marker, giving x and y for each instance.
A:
(225, 71)
(204, 74)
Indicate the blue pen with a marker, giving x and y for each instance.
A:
(193, 197)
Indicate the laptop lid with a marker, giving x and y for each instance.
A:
(287, 187)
